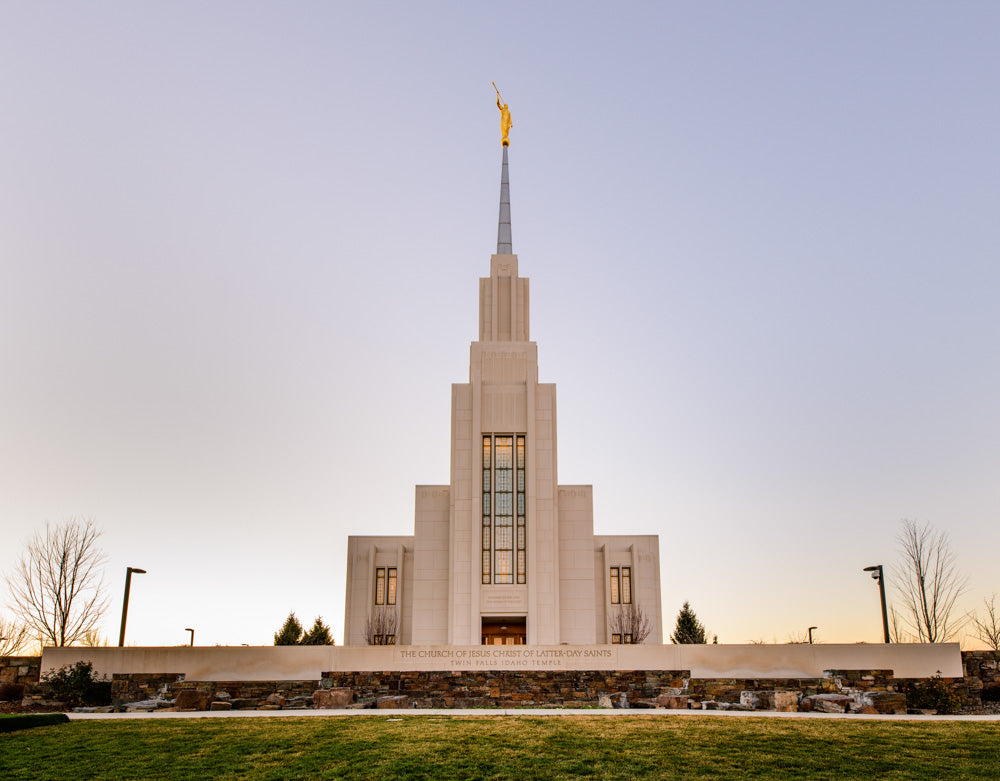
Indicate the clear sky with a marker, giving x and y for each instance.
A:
(239, 252)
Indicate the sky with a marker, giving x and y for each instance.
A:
(240, 245)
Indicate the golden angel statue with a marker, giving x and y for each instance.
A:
(505, 123)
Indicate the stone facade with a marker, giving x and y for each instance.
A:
(982, 668)
(20, 669)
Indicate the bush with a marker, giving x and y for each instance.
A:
(76, 684)
(932, 694)
(990, 693)
(11, 692)
(11, 723)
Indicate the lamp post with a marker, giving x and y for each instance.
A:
(876, 571)
(189, 629)
(811, 634)
(128, 586)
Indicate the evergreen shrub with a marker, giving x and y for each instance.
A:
(932, 694)
(76, 684)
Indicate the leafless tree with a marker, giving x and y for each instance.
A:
(988, 628)
(58, 585)
(928, 583)
(897, 633)
(381, 626)
(630, 621)
(13, 636)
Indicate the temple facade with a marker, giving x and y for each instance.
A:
(503, 554)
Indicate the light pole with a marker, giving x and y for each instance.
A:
(189, 629)
(876, 571)
(128, 586)
(811, 634)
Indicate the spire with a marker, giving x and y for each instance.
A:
(503, 229)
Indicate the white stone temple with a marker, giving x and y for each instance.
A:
(503, 554)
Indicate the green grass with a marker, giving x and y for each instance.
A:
(502, 747)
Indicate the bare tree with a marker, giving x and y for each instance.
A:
(632, 622)
(897, 632)
(988, 628)
(928, 583)
(381, 626)
(12, 637)
(58, 585)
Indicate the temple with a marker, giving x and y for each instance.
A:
(503, 554)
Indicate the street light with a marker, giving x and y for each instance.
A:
(876, 571)
(811, 634)
(128, 585)
(189, 629)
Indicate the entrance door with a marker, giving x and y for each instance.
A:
(506, 630)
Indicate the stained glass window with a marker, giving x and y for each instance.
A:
(504, 532)
(390, 598)
(380, 586)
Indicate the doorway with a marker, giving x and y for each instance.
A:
(505, 630)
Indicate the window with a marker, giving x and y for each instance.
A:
(385, 585)
(621, 585)
(390, 598)
(616, 639)
(384, 639)
(504, 531)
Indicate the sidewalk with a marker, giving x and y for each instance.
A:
(444, 713)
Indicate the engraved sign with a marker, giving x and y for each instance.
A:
(504, 600)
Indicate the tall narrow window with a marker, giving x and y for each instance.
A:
(504, 527)
(390, 597)
(621, 586)
(380, 586)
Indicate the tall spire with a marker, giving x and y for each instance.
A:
(504, 246)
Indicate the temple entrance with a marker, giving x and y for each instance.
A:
(505, 630)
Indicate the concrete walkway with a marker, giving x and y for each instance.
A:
(445, 713)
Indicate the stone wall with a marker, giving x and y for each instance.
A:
(507, 689)
(526, 688)
(20, 669)
(981, 668)
(133, 687)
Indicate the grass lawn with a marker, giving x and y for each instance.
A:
(513, 747)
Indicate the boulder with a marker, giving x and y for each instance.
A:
(604, 701)
(831, 703)
(221, 705)
(786, 702)
(332, 698)
(674, 701)
(192, 699)
(277, 698)
(394, 701)
(886, 702)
